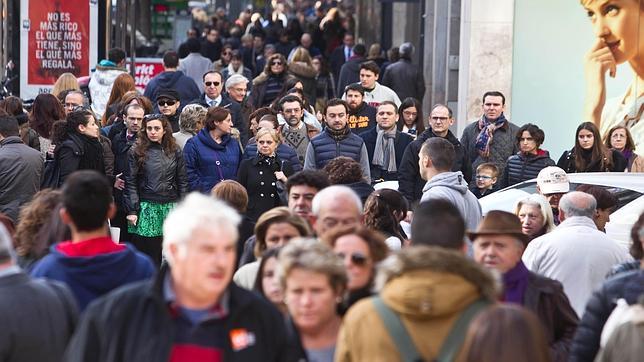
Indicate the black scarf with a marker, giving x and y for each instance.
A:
(91, 153)
(339, 135)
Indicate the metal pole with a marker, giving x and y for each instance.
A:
(3, 33)
(132, 37)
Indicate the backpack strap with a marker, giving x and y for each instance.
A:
(397, 331)
(454, 341)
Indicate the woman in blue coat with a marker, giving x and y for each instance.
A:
(212, 155)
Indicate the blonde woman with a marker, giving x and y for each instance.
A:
(535, 215)
(301, 67)
(262, 174)
(617, 26)
(66, 82)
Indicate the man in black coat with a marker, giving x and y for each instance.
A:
(385, 144)
(213, 97)
(121, 145)
(211, 46)
(362, 117)
(38, 316)
(410, 184)
(192, 311)
(350, 71)
(405, 78)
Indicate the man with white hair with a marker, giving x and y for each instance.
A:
(25, 334)
(192, 311)
(237, 87)
(335, 205)
(575, 253)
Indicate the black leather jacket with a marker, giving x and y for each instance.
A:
(521, 167)
(160, 179)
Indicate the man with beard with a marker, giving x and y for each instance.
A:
(492, 138)
(362, 117)
(294, 131)
(121, 145)
(386, 144)
(337, 140)
(410, 184)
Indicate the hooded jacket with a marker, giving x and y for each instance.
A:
(428, 287)
(452, 187)
(362, 119)
(202, 154)
(93, 267)
(176, 80)
(410, 184)
(100, 85)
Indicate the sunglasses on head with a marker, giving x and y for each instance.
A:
(210, 84)
(152, 117)
(356, 258)
(164, 103)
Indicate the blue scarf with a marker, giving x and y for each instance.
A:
(515, 282)
(484, 138)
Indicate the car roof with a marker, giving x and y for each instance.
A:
(624, 180)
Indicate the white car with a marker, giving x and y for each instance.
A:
(627, 187)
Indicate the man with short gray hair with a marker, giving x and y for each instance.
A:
(335, 205)
(26, 334)
(238, 87)
(192, 311)
(575, 253)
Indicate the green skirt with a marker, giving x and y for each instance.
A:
(150, 219)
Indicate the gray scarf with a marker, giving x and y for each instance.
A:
(384, 154)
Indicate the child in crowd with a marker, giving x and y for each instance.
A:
(486, 176)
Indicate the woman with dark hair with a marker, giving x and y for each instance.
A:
(274, 228)
(45, 110)
(267, 85)
(79, 147)
(619, 138)
(504, 333)
(590, 154)
(213, 155)
(383, 211)
(361, 249)
(155, 180)
(410, 118)
(530, 159)
(267, 283)
(606, 204)
(262, 174)
(325, 88)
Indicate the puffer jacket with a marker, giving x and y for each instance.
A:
(521, 167)
(160, 179)
(428, 287)
(410, 184)
(452, 187)
(100, 86)
(628, 286)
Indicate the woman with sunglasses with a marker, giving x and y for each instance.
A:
(590, 154)
(264, 176)
(361, 249)
(314, 280)
(155, 180)
(77, 146)
(267, 85)
(213, 155)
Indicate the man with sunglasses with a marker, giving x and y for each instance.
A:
(168, 104)
(410, 184)
(213, 97)
(172, 78)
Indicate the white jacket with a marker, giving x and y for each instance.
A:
(577, 255)
(100, 87)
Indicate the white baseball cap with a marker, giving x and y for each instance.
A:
(553, 180)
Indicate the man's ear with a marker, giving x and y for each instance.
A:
(64, 216)
(111, 211)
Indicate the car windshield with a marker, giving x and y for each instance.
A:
(624, 196)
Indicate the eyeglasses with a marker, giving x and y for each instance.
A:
(483, 177)
(166, 103)
(442, 119)
(277, 63)
(357, 259)
(226, 53)
(210, 84)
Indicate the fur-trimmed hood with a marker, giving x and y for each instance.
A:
(424, 281)
(301, 69)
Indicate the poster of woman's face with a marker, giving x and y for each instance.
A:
(576, 61)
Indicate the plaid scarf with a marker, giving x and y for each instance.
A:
(485, 137)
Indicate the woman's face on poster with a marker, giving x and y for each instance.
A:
(617, 23)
